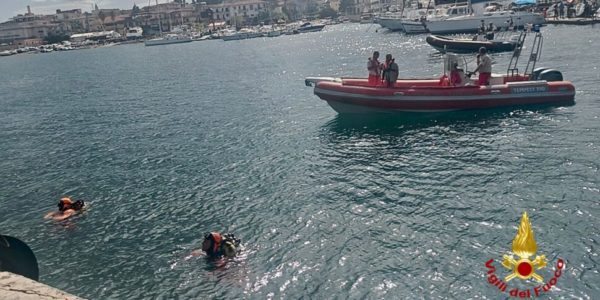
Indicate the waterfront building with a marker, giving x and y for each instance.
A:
(238, 11)
(66, 15)
(27, 26)
(166, 16)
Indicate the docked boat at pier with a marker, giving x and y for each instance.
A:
(541, 86)
(168, 39)
(310, 27)
(134, 33)
(471, 23)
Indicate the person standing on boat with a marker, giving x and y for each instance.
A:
(374, 67)
(484, 67)
(511, 25)
(490, 32)
(390, 72)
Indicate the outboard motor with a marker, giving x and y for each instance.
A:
(550, 75)
(536, 73)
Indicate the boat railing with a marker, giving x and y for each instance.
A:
(513, 69)
(534, 55)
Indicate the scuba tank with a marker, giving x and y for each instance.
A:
(230, 245)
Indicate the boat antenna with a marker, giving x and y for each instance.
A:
(159, 19)
(402, 9)
(427, 9)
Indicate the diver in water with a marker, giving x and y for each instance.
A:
(66, 209)
(217, 245)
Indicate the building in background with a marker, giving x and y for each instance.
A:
(238, 12)
(27, 26)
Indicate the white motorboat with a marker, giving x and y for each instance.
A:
(310, 27)
(274, 33)
(244, 33)
(471, 23)
(414, 22)
(168, 39)
(202, 37)
(134, 33)
(391, 22)
(413, 27)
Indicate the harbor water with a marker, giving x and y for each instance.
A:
(166, 143)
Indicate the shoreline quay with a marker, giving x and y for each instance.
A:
(13, 286)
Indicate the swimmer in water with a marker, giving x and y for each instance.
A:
(66, 209)
(217, 245)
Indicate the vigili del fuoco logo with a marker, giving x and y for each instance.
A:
(521, 266)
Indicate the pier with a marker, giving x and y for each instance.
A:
(573, 21)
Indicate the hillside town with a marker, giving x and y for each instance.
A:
(31, 29)
(186, 21)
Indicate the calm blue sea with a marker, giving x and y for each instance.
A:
(167, 142)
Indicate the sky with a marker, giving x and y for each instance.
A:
(10, 8)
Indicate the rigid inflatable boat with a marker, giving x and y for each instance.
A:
(457, 45)
(352, 95)
(534, 87)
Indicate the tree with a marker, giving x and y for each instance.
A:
(312, 9)
(54, 38)
(263, 16)
(327, 12)
(345, 5)
(292, 13)
(135, 10)
(76, 26)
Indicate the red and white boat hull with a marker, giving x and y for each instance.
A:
(356, 96)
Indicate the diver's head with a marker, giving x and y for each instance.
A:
(78, 205)
(65, 203)
(376, 54)
(482, 50)
(211, 243)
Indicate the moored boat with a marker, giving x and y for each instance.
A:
(458, 45)
(134, 33)
(413, 27)
(471, 23)
(168, 39)
(393, 23)
(309, 27)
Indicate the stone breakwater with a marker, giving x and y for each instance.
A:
(17, 287)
